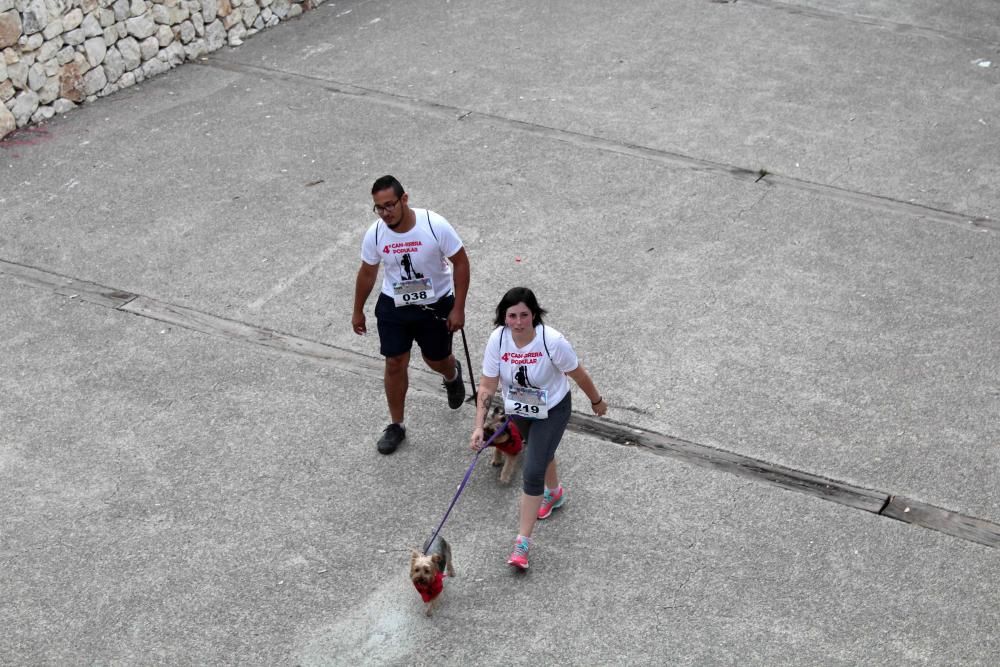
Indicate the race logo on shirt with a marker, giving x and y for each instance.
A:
(401, 248)
(522, 360)
(406, 265)
(521, 377)
(517, 358)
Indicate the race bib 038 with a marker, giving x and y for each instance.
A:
(413, 292)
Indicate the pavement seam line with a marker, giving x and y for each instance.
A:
(879, 503)
(873, 21)
(660, 156)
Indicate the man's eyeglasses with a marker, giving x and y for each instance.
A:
(378, 208)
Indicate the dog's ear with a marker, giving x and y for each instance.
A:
(498, 411)
(436, 559)
(414, 555)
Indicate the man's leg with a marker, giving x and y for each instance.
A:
(451, 371)
(397, 381)
(395, 339)
(434, 340)
(446, 367)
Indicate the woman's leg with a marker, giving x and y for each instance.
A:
(528, 514)
(542, 437)
(551, 475)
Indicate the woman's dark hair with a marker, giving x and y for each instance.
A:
(387, 182)
(515, 296)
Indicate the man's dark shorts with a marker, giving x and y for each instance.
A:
(399, 327)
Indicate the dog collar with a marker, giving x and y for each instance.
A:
(430, 591)
(513, 447)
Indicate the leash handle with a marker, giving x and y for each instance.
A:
(465, 480)
(468, 360)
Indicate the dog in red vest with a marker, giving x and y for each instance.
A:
(506, 447)
(427, 572)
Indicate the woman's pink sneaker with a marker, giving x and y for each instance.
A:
(550, 501)
(519, 556)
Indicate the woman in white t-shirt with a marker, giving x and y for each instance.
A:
(530, 362)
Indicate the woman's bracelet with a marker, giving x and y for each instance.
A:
(600, 400)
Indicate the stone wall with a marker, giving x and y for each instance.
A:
(56, 54)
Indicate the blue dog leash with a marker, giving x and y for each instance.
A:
(465, 480)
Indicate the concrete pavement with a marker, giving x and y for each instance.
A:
(184, 495)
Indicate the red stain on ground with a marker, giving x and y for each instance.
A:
(26, 136)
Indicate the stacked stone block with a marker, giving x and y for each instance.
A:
(56, 54)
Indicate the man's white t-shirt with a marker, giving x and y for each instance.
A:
(421, 252)
(531, 365)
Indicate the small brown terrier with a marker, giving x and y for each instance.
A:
(506, 447)
(427, 572)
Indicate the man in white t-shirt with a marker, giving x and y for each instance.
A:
(422, 297)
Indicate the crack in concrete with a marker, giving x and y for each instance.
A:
(592, 142)
(872, 21)
(743, 211)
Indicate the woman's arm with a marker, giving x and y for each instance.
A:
(484, 400)
(586, 384)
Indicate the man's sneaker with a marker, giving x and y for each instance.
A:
(392, 436)
(519, 556)
(456, 388)
(550, 501)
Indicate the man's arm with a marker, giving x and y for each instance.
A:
(462, 274)
(367, 275)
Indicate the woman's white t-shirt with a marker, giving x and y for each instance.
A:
(421, 252)
(531, 365)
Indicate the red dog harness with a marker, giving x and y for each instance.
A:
(430, 591)
(513, 446)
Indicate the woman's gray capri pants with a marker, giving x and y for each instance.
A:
(541, 437)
